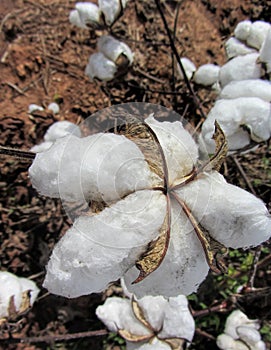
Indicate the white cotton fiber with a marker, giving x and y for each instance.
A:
(206, 74)
(100, 67)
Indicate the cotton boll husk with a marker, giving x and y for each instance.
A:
(206, 74)
(100, 67)
(231, 115)
(33, 107)
(116, 313)
(99, 249)
(75, 19)
(154, 310)
(178, 321)
(111, 10)
(44, 146)
(113, 48)
(89, 13)
(247, 88)
(54, 107)
(9, 286)
(242, 30)
(184, 266)
(180, 150)
(188, 66)
(28, 285)
(225, 342)
(234, 48)
(249, 335)
(240, 68)
(233, 216)
(265, 52)
(257, 34)
(100, 166)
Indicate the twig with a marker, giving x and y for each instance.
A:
(174, 49)
(254, 267)
(223, 307)
(241, 170)
(204, 334)
(154, 90)
(17, 153)
(54, 338)
(149, 76)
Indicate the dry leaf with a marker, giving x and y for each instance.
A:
(25, 303)
(156, 250)
(139, 314)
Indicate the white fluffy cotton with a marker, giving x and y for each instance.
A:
(206, 74)
(100, 67)
(188, 66)
(113, 48)
(88, 13)
(234, 48)
(111, 10)
(13, 286)
(265, 52)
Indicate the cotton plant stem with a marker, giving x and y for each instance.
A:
(254, 267)
(54, 338)
(175, 52)
(17, 153)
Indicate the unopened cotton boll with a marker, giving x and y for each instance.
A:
(240, 68)
(206, 74)
(247, 88)
(100, 67)
(188, 66)
(113, 49)
(234, 48)
(257, 34)
(242, 30)
(265, 52)
(13, 286)
(89, 14)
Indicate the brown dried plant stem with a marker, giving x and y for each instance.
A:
(175, 52)
(17, 153)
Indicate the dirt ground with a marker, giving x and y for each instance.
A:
(42, 59)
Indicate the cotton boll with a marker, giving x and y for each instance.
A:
(265, 52)
(111, 10)
(178, 321)
(242, 30)
(9, 286)
(252, 112)
(188, 66)
(225, 342)
(257, 34)
(33, 108)
(99, 249)
(206, 74)
(181, 151)
(61, 129)
(75, 19)
(155, 344)
(100, 67)
(113, 48)
(232, 216)
(234, 48)
(89, 13)
(184, 267)
(44, 146)
(248, 334)
(154, 309)
(240, 68)
(116, 313)
(247, 88)
(54, 107)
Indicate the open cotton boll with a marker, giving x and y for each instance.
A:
(188, 66)
(184, 267)
(252, 112)
(242, 30)
(234, 48)
(236, 319)
(61, 129)
(257, 34)
(225, 342)
(239, 220)
(111, 10)
(13, 286)
(206, 74)
(100, 166)
(54, 107)
(44, 146)
(33, 108)
(116, 313)
(99, 249)
(154, 309)
(155, 344)
(100, 67)
(247, 88)
(240, 68)
(89, 13)
(75, 19)
(181, 151)
(248, 334)
(265, 52)
(113, 48)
